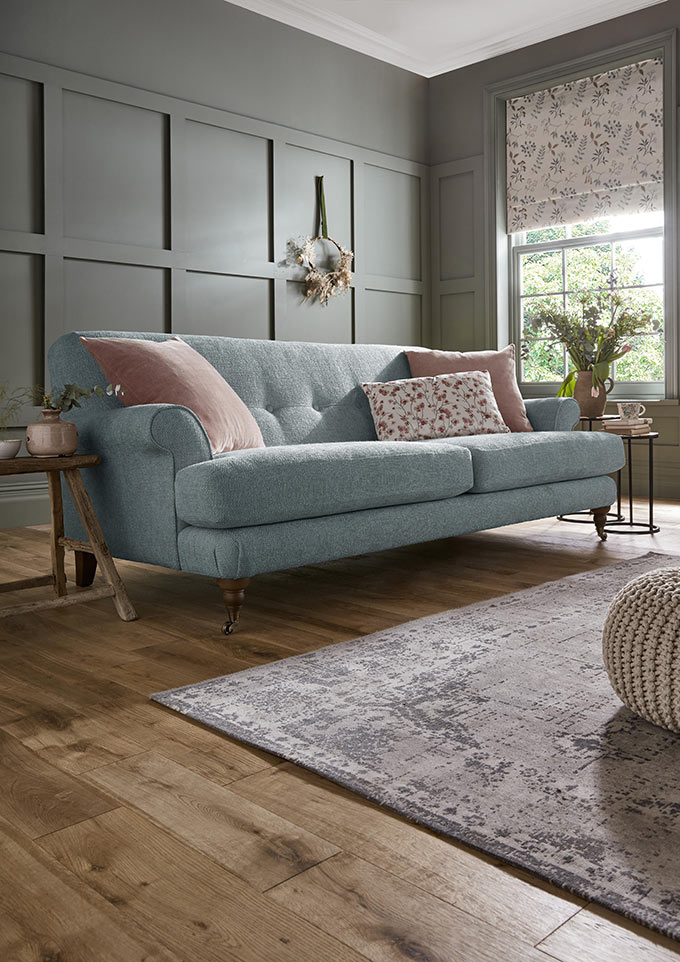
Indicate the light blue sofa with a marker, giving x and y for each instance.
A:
(324, 487)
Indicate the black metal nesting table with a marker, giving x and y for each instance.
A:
(629, 525)
(619, 523)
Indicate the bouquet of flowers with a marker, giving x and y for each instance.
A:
(595, 333)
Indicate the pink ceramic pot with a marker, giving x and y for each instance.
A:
(51, 437)
(591, 407)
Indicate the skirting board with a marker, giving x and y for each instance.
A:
(23, 503)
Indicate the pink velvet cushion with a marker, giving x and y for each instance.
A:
(499, 364)
(421, 408)
(171, 372)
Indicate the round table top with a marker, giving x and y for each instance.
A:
(601, 417)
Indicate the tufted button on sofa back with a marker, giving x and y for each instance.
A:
(298, 392)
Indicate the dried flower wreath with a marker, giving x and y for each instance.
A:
(320, 283)
(323, 283)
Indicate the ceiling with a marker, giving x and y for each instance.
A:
(430, 37)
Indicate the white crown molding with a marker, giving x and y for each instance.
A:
(566, 22)
(304, 15)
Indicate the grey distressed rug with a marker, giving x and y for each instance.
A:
(493, 724)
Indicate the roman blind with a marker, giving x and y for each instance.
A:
(586, 149)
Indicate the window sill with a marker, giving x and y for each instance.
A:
(645, 396)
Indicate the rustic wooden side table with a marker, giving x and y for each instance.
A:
(95, 546)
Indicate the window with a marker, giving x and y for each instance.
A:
(585, 195)
(551, 266)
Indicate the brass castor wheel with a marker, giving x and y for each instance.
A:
(603, 535)
(228, 627)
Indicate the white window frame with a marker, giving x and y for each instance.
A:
(635, 390)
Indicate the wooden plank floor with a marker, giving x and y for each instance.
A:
(130, 834)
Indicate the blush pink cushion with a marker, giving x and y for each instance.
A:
(171, 372)
(448, 406)
(499, 364)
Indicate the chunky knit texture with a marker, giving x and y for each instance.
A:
(641, 646)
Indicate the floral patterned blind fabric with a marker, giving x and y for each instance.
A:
(590, 148)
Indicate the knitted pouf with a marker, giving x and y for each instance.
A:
(641, 646)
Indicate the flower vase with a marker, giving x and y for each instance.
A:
(51, 437)
(591, 407)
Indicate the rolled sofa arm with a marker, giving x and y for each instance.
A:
(133, 489)
(552, 413)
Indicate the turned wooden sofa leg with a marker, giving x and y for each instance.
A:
(86, 566)
(233, 593)
(600, 519)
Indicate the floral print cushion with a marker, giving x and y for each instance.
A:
(446, 406)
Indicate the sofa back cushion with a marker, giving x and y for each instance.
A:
(298, 392)
(499, 364)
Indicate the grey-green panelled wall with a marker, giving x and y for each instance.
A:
(457, 244)
(127, 210)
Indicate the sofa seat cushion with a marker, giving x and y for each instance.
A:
(504, 461)
(268, 485)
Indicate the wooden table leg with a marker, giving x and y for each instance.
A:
(56, 547)
(90, 522)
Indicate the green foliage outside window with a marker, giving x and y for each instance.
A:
(554, 280)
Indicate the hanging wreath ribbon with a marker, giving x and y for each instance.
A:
(319, 282)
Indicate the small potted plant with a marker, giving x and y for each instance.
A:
(595, 333)
(52, 437)
(11, 403)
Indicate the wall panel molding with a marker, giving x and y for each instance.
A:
(457, 243)
(146, 212)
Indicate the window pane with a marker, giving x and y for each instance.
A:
(543, 362)
(648, 299)
(532, 305)
(546, 234)
(588, 267)
(639, 261)
(576, 308)
(645, 362)
(590, 227)
(631, 222)
(541, 272)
